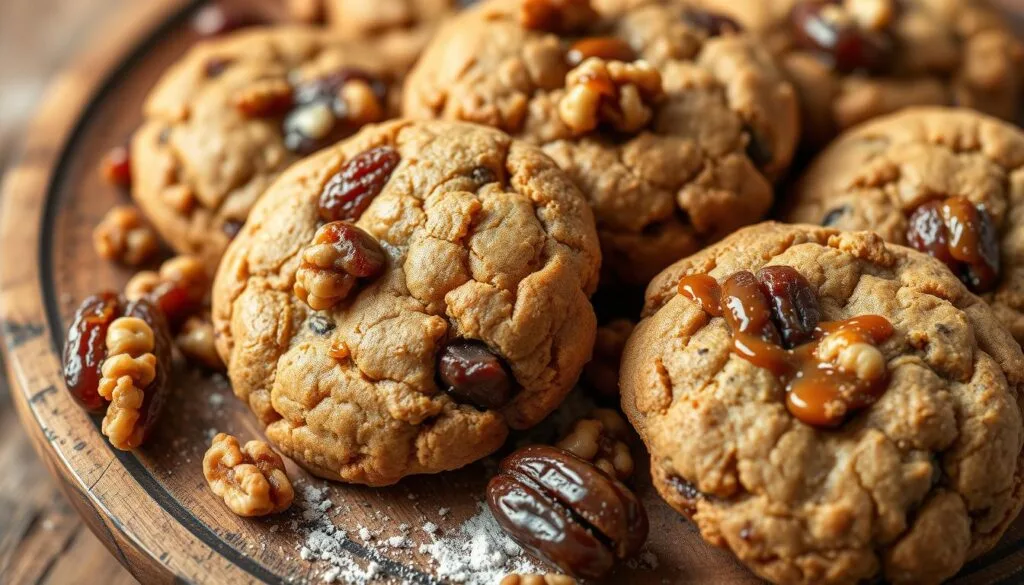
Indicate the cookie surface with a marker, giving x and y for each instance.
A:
(886, 55)
(200, 160)
(884, 174)
(359, 19)
(486, 240)
(674, 146)
(909, 488)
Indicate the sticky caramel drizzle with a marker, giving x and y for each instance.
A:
(818, 392)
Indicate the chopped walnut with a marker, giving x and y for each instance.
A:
(853, 354)
(602, 371)
(264, 98)
(362, 106)
(619, 94)
(251, 479)
(196, 341)
(129, 368)
(125, 237)
(535, 579)
(601, 438)
(179, 288)
(339, 255)
(558, 16)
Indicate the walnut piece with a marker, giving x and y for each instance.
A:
(852, 354)
(602, 439)
(179, 288)
(338, 257)
(123, 236)
(619, 94)
(362, 106)
(535, 579)
(602, 371)
(196, 341)
(130, 366)
(557, 16)
(251, 479)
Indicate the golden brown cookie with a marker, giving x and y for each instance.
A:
(224, 121)
(945, 181)
(456, 303)
(915, 464)
(359, 18)
(673, 127)
(853, 60)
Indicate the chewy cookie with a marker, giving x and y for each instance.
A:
(672, 125)
(829, 407)
(359, 18)
(454, 307)
(853, 60)
(235, 111)
(947, 182)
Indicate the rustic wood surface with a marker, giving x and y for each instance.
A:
(151, 508)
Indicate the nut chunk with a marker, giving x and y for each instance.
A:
(129, 368)
(536, 579)
(123, 236)
(601, 439)
(340, 254)
(251, 479)
(616, 93)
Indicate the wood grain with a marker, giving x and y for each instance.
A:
(151, 507)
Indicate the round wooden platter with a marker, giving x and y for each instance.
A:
(152, 507)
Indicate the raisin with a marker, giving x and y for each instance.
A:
(116, 167)
(351, 190)
(747, 309)
(471, 373)
(795, 309)
(86, 348)
(566, 510)
(714, 23)
(846, 46)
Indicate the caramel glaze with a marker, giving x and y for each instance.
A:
(818, 392)
(960, 234)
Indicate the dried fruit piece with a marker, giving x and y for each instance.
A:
(179, 289)
(607, 48)
(86, 348)
(557, 16)
(962, 236)
(602, 438)
(823, 27)
(124, 236)
(471, 373)
(566, 510)
(116, 167)
(795, 309)
(351, 190)
(251, 480)
(328, 108)
(747, 309)
(715, 23)
(264, 98)
(339, 256)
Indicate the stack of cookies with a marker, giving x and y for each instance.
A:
(428, 222)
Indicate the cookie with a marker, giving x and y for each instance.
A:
(672, 126)
(224, 121)
(853, 60)
(455, 307)
(829, 407)
(936, 179)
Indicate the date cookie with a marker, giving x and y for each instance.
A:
(673, 124)
(399, 301)
(948, 182)
(853, 60)
(829, 407)
(237, 110)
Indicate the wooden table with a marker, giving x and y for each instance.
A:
(42, 539)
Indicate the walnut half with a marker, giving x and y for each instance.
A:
(129, 368)
(619, 94)
(251, 479)
(602, 439)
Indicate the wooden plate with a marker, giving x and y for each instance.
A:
(152, 507)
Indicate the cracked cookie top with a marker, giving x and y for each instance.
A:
(475, 318)
(945, 181)
(672, 123)
(224, 121)
(853, 60)
(908, 488)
